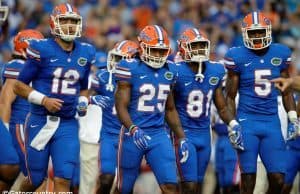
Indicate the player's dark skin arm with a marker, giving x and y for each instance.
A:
(220, 103)
(122, 99)
(231, 89)
(172, 117)
(287, 96)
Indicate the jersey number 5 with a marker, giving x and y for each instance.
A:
(262, 85)
(63, 83)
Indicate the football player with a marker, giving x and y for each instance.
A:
(143, 100)
(250, 69)
(199, 82)
(58, 69)
(9, 168)
(105, 85)
(15, 108)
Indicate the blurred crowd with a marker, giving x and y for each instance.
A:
(108, 21)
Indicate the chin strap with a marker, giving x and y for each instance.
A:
(109, 85)
(199, 76)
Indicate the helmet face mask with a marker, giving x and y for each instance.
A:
(66, 22)
(194, 46)
(154, 56)
(112, 60)
(155, 46)
(196, 51)
(256, 31)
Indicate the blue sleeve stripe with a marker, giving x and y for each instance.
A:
(122, 68)
(123, 72)
(122, 76)
(228, 62)
(33, 53)
(11, 73)
(12, 69)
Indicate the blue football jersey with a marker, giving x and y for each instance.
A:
(149, 91)
(20, 106)
(257, 94)
(193, 98)
(57, 73)
(110, 121)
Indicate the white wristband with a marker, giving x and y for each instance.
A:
(35, 97)
(292, 115)
(83, 99)
(233, 123)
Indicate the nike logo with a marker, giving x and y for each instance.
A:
(33, 126)
(143, 76)
(188, 83)
(247, 64)
(53, 60)
(242, 120)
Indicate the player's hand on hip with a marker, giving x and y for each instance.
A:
(52, 104)
(282, 83)
(184, 147)
(102, 101)
(293, 130)
(139, 137)
(235, 136)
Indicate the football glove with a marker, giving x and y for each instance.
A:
(139, 137)
(101, 101)
(293, 130)
(184, 147)
(235, 136)
(82, 106)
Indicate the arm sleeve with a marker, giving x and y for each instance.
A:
(31, 66)
(287, 59)
(230, 63)
(29, 71)
(123, 72)
(12, 71)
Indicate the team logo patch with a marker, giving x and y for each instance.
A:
(169, 75)
(276, 61)
(213, 81)
(82, 61)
